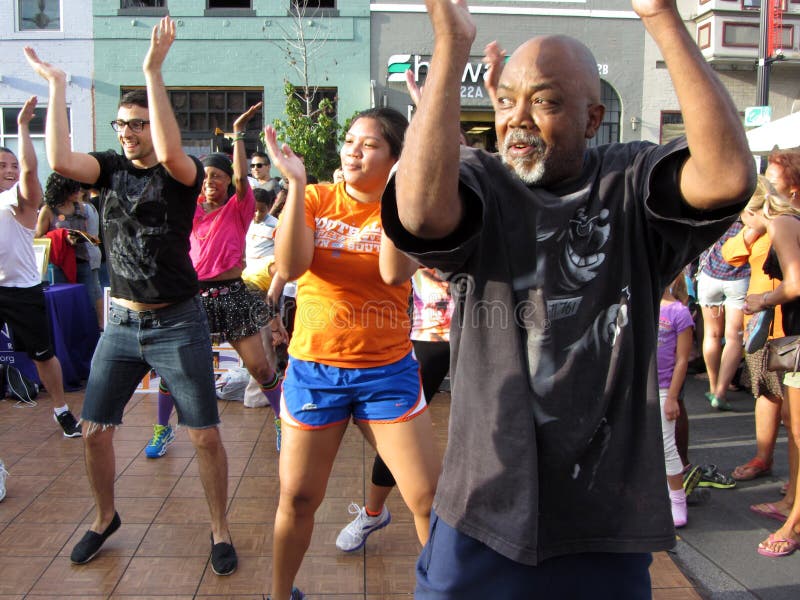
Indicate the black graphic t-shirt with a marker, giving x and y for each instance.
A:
(146, 217)
(555, 435)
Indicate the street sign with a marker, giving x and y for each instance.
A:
(756, 116)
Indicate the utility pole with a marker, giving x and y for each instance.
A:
(765, 51)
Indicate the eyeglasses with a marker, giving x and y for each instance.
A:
(257, 165)
(136, 125)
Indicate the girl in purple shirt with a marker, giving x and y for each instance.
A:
(675, 326)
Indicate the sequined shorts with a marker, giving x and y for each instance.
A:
(233, 311)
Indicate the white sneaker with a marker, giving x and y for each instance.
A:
(3, 475)
(355, 534)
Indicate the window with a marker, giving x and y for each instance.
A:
(740, 34)
(671, 125)
(608, 133)
(228, 3)
(144, 8)
(318, 95)
(233, 8)
(704, 36)
(313, 4)
(200, 112)
(42, 15)
(747, 35)
(9, 135)
(143, 4)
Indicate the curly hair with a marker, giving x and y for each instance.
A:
(58, 188)
(789, 160)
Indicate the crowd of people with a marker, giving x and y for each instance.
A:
(548, 280)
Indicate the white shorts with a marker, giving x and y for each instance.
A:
(716, 292)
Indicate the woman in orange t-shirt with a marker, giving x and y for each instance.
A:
(350, 354)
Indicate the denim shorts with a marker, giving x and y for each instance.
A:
(316, 396)
(174, 341)
(716, 292)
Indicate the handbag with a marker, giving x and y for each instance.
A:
(757, 330)
(783, 354)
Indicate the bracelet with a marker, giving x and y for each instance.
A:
(764, 300)
(238, 136)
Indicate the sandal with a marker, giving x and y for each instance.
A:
(769, 510)
(755, 467)
(765, 547)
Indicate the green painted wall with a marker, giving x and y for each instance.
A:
(229, 50)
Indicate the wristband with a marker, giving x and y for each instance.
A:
(238, 136)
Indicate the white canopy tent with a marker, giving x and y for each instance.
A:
(783, 133)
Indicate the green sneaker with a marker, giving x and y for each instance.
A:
(690, 480)
(163, 436)
(711, 477)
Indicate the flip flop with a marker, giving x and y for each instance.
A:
(791, 546)
(771, 512)
(755, 467)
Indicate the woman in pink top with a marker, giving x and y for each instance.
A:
(224, 212)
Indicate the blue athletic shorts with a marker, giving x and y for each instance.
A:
(316, 396)
(454, 566)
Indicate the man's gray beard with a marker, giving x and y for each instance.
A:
(529, 176)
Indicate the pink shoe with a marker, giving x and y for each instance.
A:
(679, 509)
(765, 550)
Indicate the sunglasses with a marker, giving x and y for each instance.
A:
(136, 125)
(257, 165)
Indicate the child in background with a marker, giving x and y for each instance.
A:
(675, 327)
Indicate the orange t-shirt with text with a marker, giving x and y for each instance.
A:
(346, 315)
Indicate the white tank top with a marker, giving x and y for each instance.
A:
(17, 259)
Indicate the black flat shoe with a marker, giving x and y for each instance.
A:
(223, 558)
(91, 542)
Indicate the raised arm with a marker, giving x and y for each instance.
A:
(395, 267)
(428, 203)
(717, 143)
(163, 125)
(240, 180)
(75, 165)
(294, 240)
(30, 190)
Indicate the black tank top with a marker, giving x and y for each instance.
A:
(789, 310)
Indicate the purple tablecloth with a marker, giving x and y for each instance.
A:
(73, 323)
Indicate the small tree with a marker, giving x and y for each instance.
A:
(314, 133)
(310, 127)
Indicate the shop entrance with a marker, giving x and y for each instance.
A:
(479, 127)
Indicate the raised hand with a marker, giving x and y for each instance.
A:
(47, 71)
(493, 58)
(26, 114)
(243, 119)
(160, 42)
(282, 157)
(413, 89)
(650, 8)
(451, 21)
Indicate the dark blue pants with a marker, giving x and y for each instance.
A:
(454, 566)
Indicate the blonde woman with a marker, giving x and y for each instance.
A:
(782, 223)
